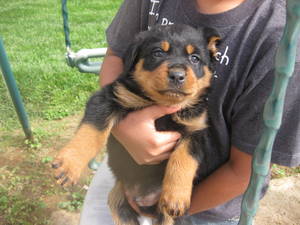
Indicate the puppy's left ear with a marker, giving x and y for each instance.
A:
(213, 40)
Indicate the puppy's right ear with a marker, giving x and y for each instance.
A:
(132, 53)
(130, 57)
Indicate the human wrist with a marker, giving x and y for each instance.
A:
(111, 68)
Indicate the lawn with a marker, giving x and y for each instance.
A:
(33, 37)
(54, 95)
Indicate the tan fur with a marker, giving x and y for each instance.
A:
(212, 45)
(190, 49)
(198, 123)
(165, 45)
(178, 180)
(205, 81)
(158, 80)
(84, 146)
(116, 198)
(128, 99)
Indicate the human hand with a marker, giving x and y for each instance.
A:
(138, 135)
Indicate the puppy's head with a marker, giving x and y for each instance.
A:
(171, 64)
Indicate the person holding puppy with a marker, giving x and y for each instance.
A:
(243, 77)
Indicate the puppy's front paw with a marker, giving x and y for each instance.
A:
(174, 202)
(68, 166)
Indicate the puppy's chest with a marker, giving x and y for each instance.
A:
(185, 122)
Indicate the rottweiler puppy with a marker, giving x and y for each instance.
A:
(169, 66)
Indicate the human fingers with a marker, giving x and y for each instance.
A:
(160, 154)
(157, 149)
(155, 156)
(159, 159)
(163, 138)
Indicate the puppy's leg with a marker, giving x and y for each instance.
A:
(122, 213)
(74, 157)
(88, 140)
(178, 181)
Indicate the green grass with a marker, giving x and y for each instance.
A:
(282, 171)
(28, 191)
(33, 37)
(18, 204)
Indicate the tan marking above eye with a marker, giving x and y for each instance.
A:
(165, 46)
(190, 49)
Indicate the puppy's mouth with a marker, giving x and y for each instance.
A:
(173, 93)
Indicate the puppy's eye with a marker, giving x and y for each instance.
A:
(158, 52)
(195, 59)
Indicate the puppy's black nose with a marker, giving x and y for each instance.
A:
(177, 77)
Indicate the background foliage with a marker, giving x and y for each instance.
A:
(33, 37)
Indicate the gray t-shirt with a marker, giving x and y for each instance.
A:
(243, 77)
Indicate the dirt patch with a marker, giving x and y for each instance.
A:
(62, 217)
(281, 205)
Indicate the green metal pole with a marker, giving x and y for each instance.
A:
(64, 10)
(14, 91)
(284, 68)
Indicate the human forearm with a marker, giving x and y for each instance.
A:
(111, 68)
(227, 182)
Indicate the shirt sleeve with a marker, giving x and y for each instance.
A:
(129, 20)
(247, 116)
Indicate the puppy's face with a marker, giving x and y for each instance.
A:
(172, 64)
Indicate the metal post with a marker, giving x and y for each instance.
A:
(14, 91)
(284, 68)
